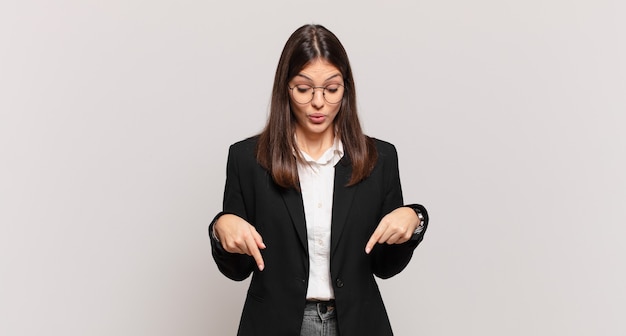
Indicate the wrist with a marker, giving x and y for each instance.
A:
(214, 234)
(212, 231)
(420, 224)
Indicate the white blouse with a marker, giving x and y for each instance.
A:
(317, 179)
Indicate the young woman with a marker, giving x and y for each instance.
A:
(313, 208)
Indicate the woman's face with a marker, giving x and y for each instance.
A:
(316, 117)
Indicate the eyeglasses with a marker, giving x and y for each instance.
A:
(304, 93)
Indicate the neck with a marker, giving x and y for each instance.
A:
(315, 144)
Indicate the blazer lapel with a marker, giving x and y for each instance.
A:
(342, 200)
(293, 201)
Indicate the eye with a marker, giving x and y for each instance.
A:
(332, 88)
(303, 88)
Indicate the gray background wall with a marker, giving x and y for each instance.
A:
(116, 116)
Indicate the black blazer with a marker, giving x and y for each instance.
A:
(276, 297)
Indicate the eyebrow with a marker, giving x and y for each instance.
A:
(327, 79)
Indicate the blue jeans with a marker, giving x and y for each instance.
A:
(319, 320)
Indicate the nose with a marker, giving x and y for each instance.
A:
(318, 97)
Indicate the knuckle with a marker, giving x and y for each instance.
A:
(244, 235)
(237, 245)
(230, 247)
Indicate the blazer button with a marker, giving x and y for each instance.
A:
(339, 283)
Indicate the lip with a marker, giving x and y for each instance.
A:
(317, 118)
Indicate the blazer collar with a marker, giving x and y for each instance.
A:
(342, 200)
(295, 206)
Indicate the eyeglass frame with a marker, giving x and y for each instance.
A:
(313, 93)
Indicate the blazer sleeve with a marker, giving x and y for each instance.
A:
(233, 265)
(389, 260)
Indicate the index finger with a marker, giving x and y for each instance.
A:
(253, 250)
(373, 239)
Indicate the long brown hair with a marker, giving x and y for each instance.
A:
(276, 145)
